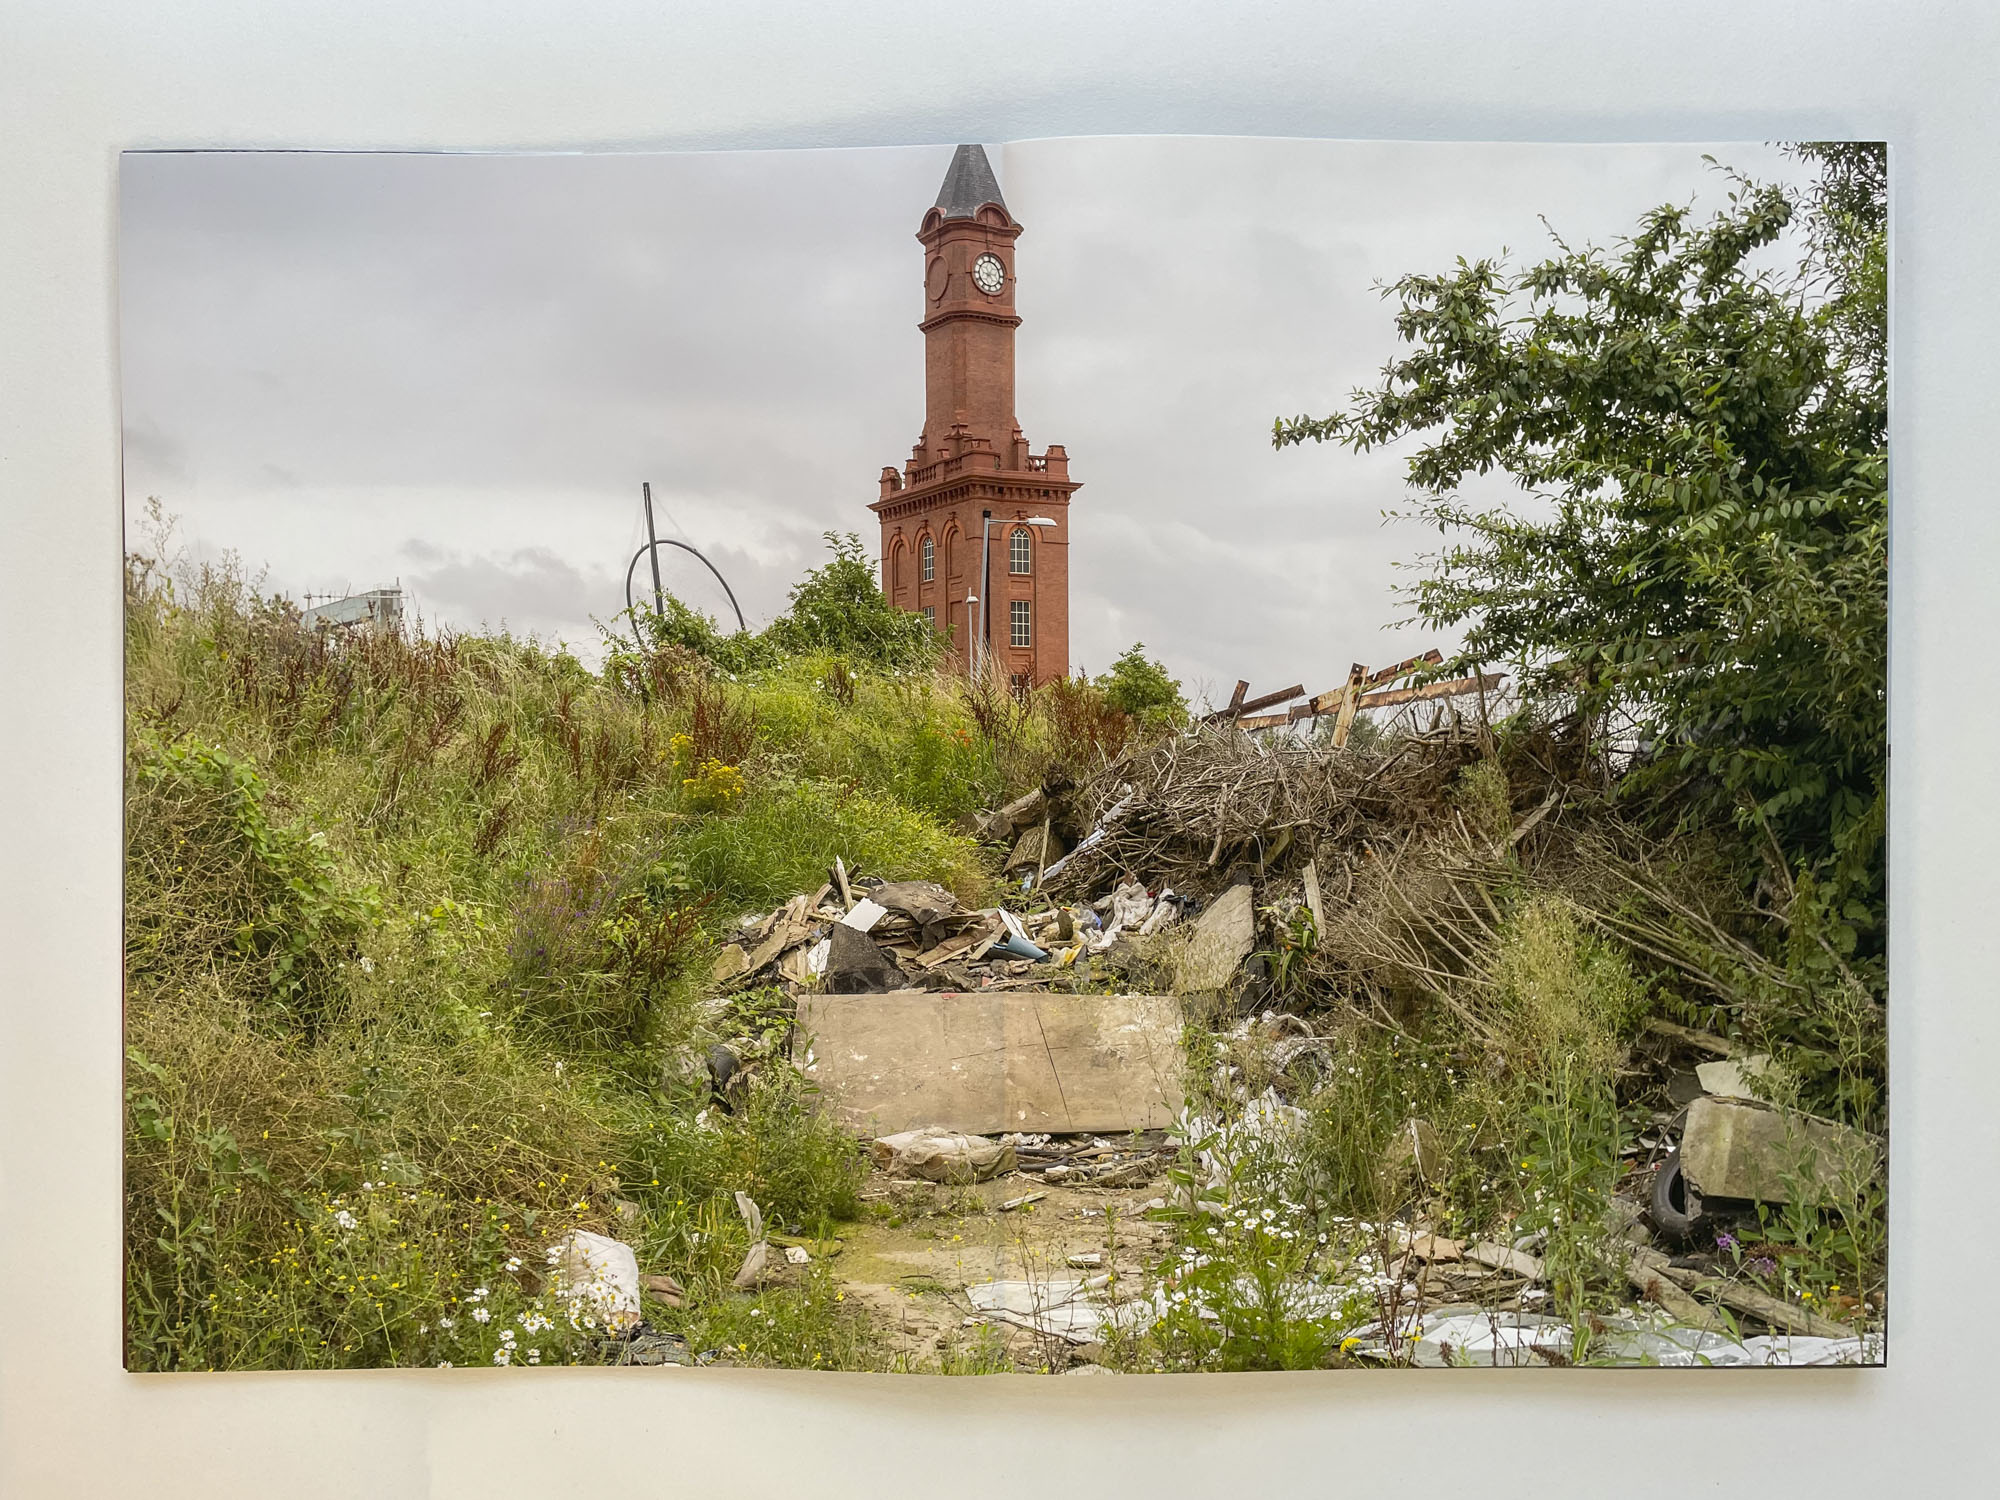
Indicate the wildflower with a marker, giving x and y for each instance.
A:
(447, 1322)
(513, 1262)
(481, 1315)
(344, 1219)
(503, 1356)
(1725, 1242)
(534, 1356)
(444, 1364)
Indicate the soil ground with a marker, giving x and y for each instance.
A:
(919, 1245)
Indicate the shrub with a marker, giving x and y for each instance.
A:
(1140, 687)
(1561, 992)
(216, 885)
(839, 608)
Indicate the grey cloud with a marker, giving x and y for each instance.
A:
(531, 585)
(487, 354)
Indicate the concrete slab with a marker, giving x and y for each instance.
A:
(986, 1063)
(1731, 1149)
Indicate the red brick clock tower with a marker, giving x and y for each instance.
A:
(971, 471)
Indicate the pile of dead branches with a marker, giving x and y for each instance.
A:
(1190, 811)
(1413, 864)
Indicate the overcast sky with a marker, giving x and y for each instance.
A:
(455, 370)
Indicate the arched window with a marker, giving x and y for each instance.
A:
(950, 549)
(899, 573)
(1017, 551)
(928, 551)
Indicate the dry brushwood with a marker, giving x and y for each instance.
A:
(1179, 812)
(1416, 878)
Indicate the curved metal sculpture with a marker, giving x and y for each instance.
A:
(651, 550)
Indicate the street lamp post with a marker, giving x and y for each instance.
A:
(983, 642)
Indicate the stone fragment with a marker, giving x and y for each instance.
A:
(940, 1155)
(1036, 849)
(1223, 938)
(855, 965)
(1501, 1258)
(1733, 1149)
(1737, 1077)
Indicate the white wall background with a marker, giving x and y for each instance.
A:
(78, 84)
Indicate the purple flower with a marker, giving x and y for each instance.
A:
(1763, 1265)
(1725, 1242)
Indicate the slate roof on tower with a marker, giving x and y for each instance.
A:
(968, 185)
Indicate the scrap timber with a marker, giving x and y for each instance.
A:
(1347, 700)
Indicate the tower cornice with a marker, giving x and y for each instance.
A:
(973, 314)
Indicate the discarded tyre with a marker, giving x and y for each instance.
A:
(1676, 1207)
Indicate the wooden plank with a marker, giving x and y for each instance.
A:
(1266, 700)
(1331, 701)
(1350, 702)
(985, 1063)
(1404, 668)
(1456, 687)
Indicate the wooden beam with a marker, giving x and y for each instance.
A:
(1350, 702)
(1331, 702)
(1456, 687)
(1237, 708)
(1404, 668)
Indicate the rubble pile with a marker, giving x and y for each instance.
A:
(1035, 1047)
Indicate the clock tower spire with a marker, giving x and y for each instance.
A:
(975, 527)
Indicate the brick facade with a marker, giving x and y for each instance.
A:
(971, 465)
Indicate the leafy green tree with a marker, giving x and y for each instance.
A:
(1708, 438)
(1141, 687)
(839, 607)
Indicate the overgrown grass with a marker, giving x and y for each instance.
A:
(417, 931)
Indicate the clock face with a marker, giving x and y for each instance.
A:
(989, 275)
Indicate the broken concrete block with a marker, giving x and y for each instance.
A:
(1037, 849)
(1223, 938)
(1737, 1077)
(729, 963)
(1030, 807)
(1732, 1149)
(855, 965)
(939, 1155)
(1501, 1258)
(988, 1062)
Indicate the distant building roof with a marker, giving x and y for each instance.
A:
(379, 607)
(969, 184)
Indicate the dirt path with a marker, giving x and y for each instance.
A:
(910, 1258)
